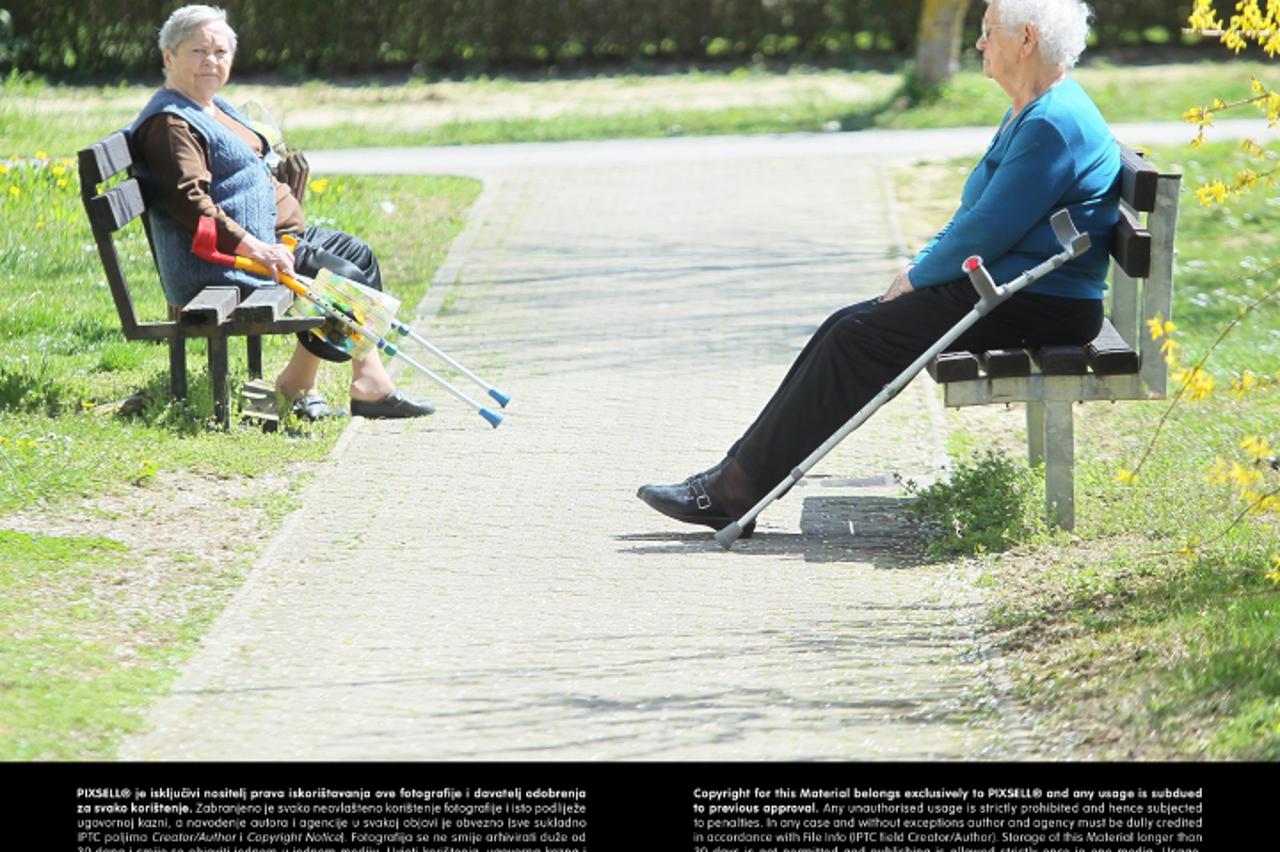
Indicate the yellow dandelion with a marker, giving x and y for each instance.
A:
(319, 185)
(62, 183)
(15, 191)
(1126, 477)
(42, 155)
(87, 404)
(1274, 574)
(58, 171)
(4, 170)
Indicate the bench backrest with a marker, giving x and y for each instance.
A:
(109, 211)
(1142, 261)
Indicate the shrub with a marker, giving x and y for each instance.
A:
(989, 503)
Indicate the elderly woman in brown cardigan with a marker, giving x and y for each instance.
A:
(200, 157)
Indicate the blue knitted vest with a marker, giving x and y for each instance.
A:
(241, 187)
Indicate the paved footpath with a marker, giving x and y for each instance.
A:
(514, 600)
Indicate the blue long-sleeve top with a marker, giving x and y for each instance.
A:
(1057, 152)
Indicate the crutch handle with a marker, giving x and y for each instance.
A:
(988, 295)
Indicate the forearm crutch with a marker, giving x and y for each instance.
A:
(205, 246)
(394, 324)
(990, 295)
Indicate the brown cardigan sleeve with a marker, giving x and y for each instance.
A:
(180, 166)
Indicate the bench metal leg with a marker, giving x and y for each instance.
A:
(177, 360)
(1035, 433)
(253, 346)
(1059, 463)
(219, 380)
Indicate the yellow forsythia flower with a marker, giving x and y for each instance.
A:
(1257, 446)
(1247, 382)
(1203, 17)
(1126, 477)
(1214, 192)
(1159, 327)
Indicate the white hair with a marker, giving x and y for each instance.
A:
(186, 20)
(1062, 25)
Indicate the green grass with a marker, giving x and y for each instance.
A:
(606, 107)
(1116, 630)
(79, 655)
(1148, 651)
(89, 632)
(64, 363)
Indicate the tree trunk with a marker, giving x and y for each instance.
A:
(938, 39)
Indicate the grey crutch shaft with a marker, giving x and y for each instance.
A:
(989, 296)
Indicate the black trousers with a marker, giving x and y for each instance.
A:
(343, 254)
(860, 349)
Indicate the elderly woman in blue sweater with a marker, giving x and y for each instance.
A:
(1052, 151)
(200, 157)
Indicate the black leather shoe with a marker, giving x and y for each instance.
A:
(394, 405)
(690, 502)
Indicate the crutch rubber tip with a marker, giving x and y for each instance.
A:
(493, 417)
(729, 535)
(501, 397)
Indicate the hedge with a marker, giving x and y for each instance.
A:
(105, 37)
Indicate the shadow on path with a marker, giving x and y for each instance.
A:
(875, 530)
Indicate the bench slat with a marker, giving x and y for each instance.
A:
(1131, 245)
(1110, 355)
(116, 207)
(265, 304)
(211, 306)
(1062, 360)
(999, 363)
(103, 160)
(1138, 180)
(953, 367)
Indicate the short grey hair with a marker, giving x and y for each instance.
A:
(1062, 25)
(186, 20)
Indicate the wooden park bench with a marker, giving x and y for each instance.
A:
(1122, 363)
(216, 313)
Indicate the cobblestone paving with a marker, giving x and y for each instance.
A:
(517, 602)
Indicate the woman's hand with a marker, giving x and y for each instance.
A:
(901, 285)
(274, 256)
